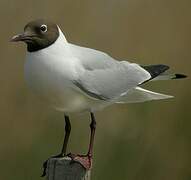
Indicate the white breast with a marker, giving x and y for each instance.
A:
(49, 73)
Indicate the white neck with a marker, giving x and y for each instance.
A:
(61, 35)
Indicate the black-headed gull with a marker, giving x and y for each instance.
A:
(77, 79)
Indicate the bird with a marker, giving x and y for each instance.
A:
(75, 79)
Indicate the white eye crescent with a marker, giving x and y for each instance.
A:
(43, 28)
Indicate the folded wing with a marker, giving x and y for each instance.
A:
(113, 82)
(107, 79)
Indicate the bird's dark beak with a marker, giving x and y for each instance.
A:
(21, 37)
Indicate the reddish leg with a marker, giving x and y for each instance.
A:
(86, 160)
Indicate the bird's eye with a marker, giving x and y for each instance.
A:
(43, 28)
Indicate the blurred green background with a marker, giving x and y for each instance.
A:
(148, 141)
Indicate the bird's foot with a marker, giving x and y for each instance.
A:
(84, 160)
(45, 164)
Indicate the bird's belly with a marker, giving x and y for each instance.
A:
(58, 93)
(67, 100)
(61, 98)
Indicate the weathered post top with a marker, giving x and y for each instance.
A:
(66, 169)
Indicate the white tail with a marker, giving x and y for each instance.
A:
(141, 95)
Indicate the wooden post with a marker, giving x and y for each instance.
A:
(66, 169)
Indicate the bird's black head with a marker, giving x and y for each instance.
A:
(38, 34)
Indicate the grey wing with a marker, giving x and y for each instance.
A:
(92, 59)
(113, 82)
(104, 77)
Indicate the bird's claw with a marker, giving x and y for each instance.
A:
(84, 160)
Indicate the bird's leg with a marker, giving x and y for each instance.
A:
(64, 147)
(92, 128)
(86, 160)
(67, 135)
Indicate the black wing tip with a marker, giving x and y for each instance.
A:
(163, 66)
(155, 70)
(179, 76)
